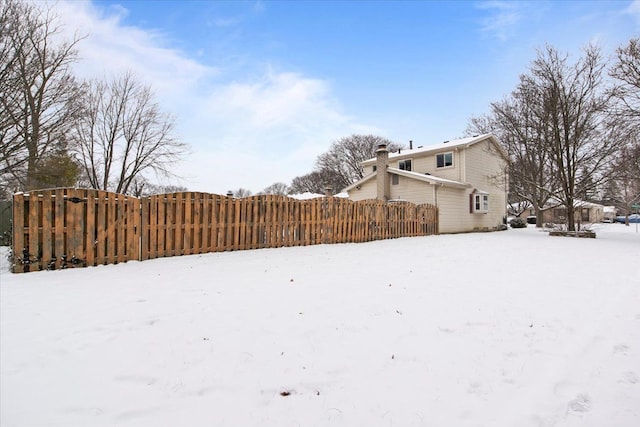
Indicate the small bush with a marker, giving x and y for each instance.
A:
(518, 223)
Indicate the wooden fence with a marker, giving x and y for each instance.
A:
(71, 227)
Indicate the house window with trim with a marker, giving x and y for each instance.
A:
(479, 203)
(395, 179)
(404, 165)
(444, 160)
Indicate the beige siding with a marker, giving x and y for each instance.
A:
(413, 191)
(366, 191)
(427, 164)
(485, 171)
(451, 210)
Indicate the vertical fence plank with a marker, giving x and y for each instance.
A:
(169, 224)
(188, 223)
(132, 213)
(34, 211)
(145, 229)
(47, 228)
(90, 229)
(101, 227)
(158, 225)
(77, 225)
(197, 223)
(18, 231)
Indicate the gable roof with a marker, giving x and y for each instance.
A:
(429, 179)
(446, 146)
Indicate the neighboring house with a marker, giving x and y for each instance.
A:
(465, 178)
(584, 212)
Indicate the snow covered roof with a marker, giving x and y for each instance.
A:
(305, 196)
(308, 195)
(444, 146)
(430, 179)
(577, 203)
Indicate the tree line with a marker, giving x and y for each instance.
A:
(58, 130)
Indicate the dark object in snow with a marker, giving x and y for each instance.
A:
(285, 393)
(581, 233)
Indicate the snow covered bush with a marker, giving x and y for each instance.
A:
(518, 223)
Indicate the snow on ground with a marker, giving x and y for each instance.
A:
(511, 328)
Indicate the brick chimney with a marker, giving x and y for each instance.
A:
(382, 177)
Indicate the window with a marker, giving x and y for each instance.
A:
(585, 215)
(395, 179)
(479, 203)
(404, 165)
(444, 160)
(375, 168)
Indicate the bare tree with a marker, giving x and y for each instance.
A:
(313, 182)
(626, 176)
(241, 192)
(341, 164)
(578, 139)
(38, 94)
(123, 135)
(626, 71)
(278, 188)
(521, 128)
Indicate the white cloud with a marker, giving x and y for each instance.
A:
(243, 132)
(270, 129)
(503, 17)
(111, 47)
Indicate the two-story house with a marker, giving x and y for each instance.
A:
(466, 179)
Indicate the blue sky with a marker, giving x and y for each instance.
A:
(260, 88)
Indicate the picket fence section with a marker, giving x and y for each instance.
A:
(63, 228)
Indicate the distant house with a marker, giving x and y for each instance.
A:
(609, 213)
(465, 178)
(584, 212)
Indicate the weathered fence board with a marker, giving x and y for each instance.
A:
(59, 228)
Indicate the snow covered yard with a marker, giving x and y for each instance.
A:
(510, 328)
